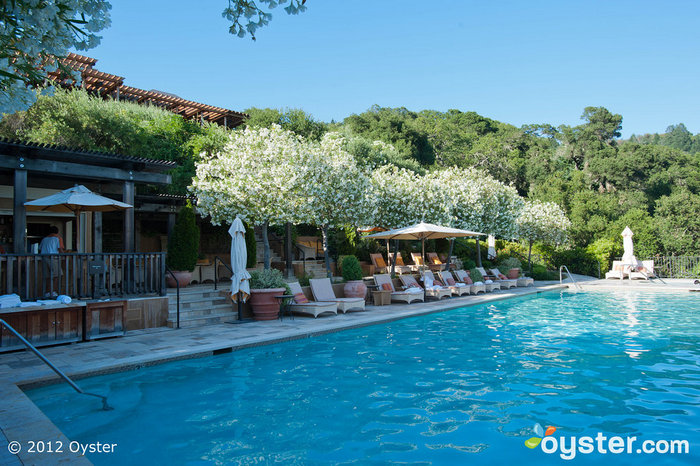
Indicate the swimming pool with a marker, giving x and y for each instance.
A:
(460, 386)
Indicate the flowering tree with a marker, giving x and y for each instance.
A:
(336, 190)
(36, 33)
(257, 177)
(542, 221)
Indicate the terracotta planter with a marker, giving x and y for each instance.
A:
(183, 278)
(355, 289)
(513, 273)
(264, 304)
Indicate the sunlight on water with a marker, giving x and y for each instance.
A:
(460, 386)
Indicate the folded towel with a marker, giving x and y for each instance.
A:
(488, 281)
(65, 299)
(29, 304)
(9, 300)
(413, 290)
(460, 284)
(478, 283)
(47, 302)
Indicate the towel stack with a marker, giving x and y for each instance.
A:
(9, 300)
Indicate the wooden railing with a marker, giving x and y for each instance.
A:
(82, 275)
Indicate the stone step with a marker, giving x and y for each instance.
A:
(198, 321)
(194, 306)
(202, 311)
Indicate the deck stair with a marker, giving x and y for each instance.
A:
(200, 305)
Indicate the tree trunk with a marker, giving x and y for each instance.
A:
(478, 253)
(288, 250)
(326, 255)
(449, 255)
(529, 255)
(266, 246)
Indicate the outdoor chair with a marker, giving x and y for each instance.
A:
(495, 275)
(478, 287)
(322, 290)
(457, 288)
(418, 260)
(618, 271)
(302, 305)
(378, 263)
(401, 267)
(431, 291)
(643, 271)
(384, 282)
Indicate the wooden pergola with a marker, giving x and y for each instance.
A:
(111, 85)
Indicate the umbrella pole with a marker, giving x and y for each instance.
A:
(449, 255)
(240, 307)
(422, 241)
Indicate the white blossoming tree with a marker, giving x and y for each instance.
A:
(256, 177)
(336, 190)
(542, 221)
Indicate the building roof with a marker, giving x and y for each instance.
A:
(111, 85)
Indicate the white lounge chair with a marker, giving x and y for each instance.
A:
(476, 288)
(407, 296)
(302, 305)
(322, 289)
(619, 271)
(432, 291)
(643, 271)
(457, 288)
(494, 275)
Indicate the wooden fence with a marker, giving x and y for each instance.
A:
(82, 275)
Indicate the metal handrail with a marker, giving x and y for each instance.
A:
(33, 349)
(177, 288)
(216, 270)
(570, 276)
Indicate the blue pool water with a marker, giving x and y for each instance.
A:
(463, 386)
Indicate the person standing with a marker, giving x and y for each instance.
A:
(52, 245)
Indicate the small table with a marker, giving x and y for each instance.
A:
(381, 297)
(372, 289)
(285, 307)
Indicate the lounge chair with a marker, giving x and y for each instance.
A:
(457, 288)
(619, 271)
(520, 281)
(322, 290)
(302, 305)
(431, 291)
(378, 263)
(401, 268)
(495, 276)
(406, 296)
(478, 287)
(418, 260)
(643, 271)
(434, 260)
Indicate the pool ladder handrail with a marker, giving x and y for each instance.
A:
(576, 285)
(67, 379)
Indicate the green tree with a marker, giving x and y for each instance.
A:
(183, 247)
(678, 221)
(294, 120)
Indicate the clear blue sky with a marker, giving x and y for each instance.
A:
(516, 61)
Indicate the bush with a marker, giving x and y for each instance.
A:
(475, 275)
(540, 272)
(351, 268)
(604, 250)
(577, 260)
(510, 263)
(267, 278)
(183, 246)
(468, 264)
(304, 279)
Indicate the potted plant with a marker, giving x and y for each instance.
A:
(183, 247)
(513, 266)
(352, 273)
(264, 286)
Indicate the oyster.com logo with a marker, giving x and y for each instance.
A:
(533, 442)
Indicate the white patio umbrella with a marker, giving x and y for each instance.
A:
(422, 231)
(240, 285)
(628, 246)
(76, 199)
(491, 254)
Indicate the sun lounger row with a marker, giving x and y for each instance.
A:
(644, 270)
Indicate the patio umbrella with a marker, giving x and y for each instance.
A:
(628, 246)
(240, 285)
(422, 231)
(76, 199)
(491, 254)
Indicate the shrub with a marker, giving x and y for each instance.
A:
(510, 263)
(304, 279)
(604, 250)
(351, 268)
(183, 246)
(468, 264)
(540, 272)
(267, 278)
(476, 275)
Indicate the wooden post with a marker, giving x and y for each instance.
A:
(129, 222)
(97, 232)
(478, 253)
(19, 212)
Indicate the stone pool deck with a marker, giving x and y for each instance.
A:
(21, 420)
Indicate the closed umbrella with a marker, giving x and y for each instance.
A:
(628, 246)
(76, 199)
(240, 285)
